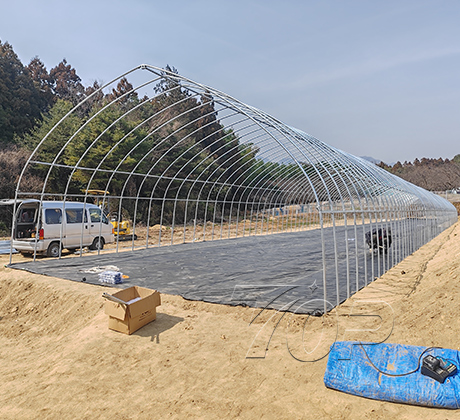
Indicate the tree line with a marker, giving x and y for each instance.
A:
(430, 174)
(184, 133)
(33, 100)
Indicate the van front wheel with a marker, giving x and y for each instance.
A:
(53, 249)
(98, 244)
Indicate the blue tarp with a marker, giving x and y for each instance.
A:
(350, 370)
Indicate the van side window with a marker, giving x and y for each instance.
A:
(53, 216)
(95, 215)
(75, 215)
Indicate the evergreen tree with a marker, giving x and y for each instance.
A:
(66, 84)
(20, 101)
(42, 81)
(51, 148)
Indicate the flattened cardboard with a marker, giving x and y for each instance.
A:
(130, 317)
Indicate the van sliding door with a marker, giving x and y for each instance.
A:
(77, 231)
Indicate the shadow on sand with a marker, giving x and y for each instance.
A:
(162, 323)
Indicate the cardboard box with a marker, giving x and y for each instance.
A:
(139, 310)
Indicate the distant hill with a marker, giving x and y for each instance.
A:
(431, 174)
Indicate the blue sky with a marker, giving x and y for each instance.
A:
(376, 78)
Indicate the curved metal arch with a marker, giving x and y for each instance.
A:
(212, 159)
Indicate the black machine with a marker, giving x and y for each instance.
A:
(379, 238)
(437, 368)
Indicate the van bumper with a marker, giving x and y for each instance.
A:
(29, 245)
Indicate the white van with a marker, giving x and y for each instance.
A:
(41, 227)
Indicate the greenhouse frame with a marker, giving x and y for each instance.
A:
(171, 161)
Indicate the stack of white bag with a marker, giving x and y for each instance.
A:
(111, 277)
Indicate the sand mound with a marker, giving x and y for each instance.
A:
(199, 360)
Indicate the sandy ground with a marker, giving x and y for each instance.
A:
(197, 360)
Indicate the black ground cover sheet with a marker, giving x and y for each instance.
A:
(281, 271)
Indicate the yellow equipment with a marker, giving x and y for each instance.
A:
(99, 201)
(123, 227)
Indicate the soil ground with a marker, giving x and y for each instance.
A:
(207, 361)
